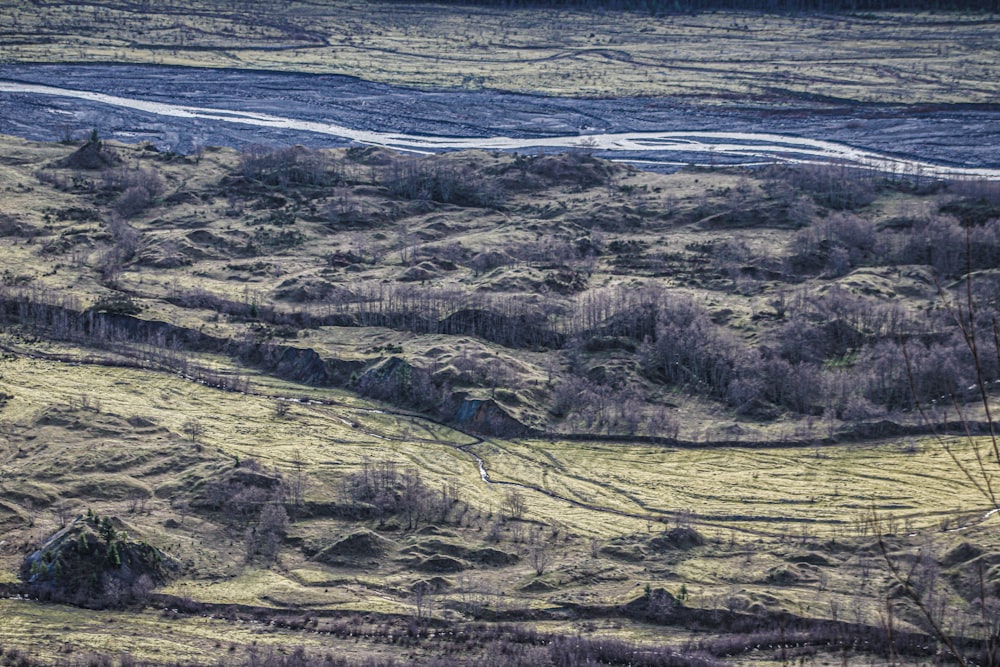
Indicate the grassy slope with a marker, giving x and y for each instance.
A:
(91, 435)
(203, 237)
(781, 506)
(921, 58)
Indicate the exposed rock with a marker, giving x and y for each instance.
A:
(486, 416)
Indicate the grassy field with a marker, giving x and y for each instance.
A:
(825, 491)
(275, 387)
(50, 633)
(784, 528)
(709, 58)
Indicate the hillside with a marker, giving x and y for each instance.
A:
(366, 394)
(516, 295)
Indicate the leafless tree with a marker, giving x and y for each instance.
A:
(193, 429)
(540, 558)
(514, 504)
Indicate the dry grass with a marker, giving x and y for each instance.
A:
(90, 435)
(825, 491)
(49, 633)
(759, 508)
(921, 58)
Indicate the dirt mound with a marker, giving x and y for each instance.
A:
(630, 553)
(962, 553)
(493, 557)
(421, 272)
(677, 538)
(433, 584)
(539, 586)
(92, 561)
(304, 291)
(171, 254)
(517, 279)
(657, 604)
(435, 530)
(809, 557)
(787, 575)
(439, 563)
(92, 155)
(437, 546)
(363, 545)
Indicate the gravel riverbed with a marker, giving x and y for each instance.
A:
(439, 120)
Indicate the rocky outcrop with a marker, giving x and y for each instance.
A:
(486, 416)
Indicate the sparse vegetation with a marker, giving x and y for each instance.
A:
(288, 406)
(780, 50)
(254, 463)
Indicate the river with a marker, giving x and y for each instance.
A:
(179, 109)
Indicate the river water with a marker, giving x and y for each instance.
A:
(179, 108)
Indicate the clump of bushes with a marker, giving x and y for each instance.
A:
(93, 562)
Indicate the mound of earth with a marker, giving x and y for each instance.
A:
(434, 584)
(787, 575)
(431, 529)
(656, 604)
(493, 557)
(438, 546)
(810, 557)
(439, 563)
(631, 553)
(307, 290)
(421, 272)
(677, 538)
(92, 155)
(363, 545)
(962, 553)
(539, 586)
(513, 279)
(92, 561)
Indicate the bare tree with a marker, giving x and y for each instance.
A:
(422, 591)
(193, 429)
(514, 504)
(540, 557)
